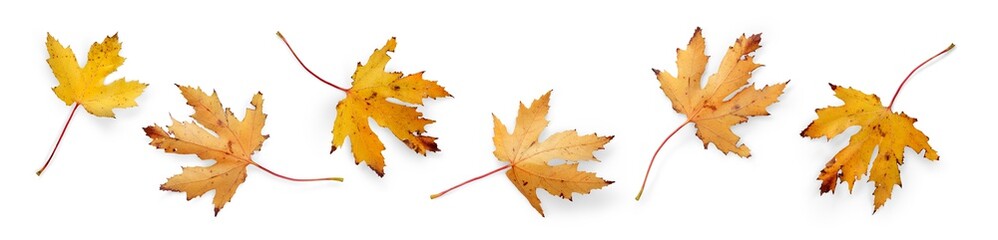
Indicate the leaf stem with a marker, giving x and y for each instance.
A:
(469, 180)
(338, 179)
(71, 113)
(306, 68)
(913, 72)
(648, 172)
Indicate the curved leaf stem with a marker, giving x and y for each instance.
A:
(306, 68)
(650, 163)
(338, 179)
(913, 72)
(71, 113)
(469, 180)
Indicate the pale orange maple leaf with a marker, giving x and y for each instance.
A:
(529, 159)
(217, 135)
(708, 107)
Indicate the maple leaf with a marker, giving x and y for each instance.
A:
(880, 128)
(529, 160)
(708, 107)
(231, 143)
(85, 86)
(368, 98)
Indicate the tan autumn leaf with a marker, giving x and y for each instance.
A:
(216, 135)
(368, 98)
(881, 130)
(709, 106)
(530, 166)
(84, 86)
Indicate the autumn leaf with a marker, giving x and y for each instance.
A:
(216, 135)
(708, 107)
(880, 128)
(529, 161)
(368, 98)
(85, 85)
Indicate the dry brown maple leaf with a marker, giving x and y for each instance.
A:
(84, 86)
(708, 107)
(880, 128)
(368, 98)
(230, 143)
(529, 160)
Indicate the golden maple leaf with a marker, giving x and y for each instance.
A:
(709, 107)
(529, 160)
(880, 128)
(85, 86)
(230, 142)
(368, 98)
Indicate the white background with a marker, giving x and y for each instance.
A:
(104, 179)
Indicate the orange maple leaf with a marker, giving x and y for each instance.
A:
(708, 107)
(368, 98)
(880, 128)
(529, 160)
(231, 143)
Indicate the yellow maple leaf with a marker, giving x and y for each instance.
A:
(231, 143)
(368, 98)
(880, 128)
(708, 107)
(85, 85)
(530, 161)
